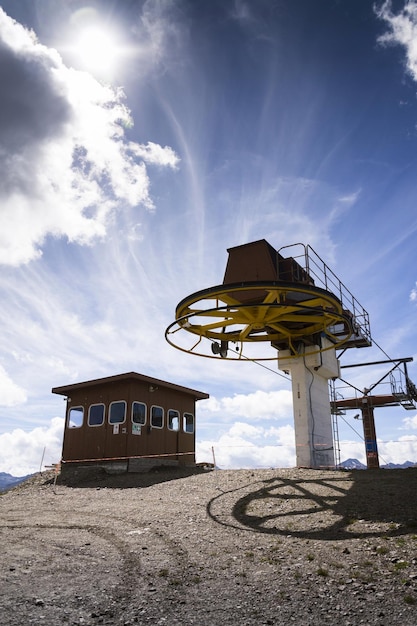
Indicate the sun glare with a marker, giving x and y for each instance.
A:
(101, 47)
(98, 50)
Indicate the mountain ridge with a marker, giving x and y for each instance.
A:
(7, 481)
(351, 464)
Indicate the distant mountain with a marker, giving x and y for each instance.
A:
(7, 481)
(397, 466)
(351, 464)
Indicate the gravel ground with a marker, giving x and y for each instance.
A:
(178, 547)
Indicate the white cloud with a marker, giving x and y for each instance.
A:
(10, 393)
(155, 154)
(256, 405)
(245, 445)
(413, 294)
(241, 446)
(395, 451)
(403, 31)
(352, 450)
(66, 162)
(23, 453)
(242, 430)
(410, 423)
(399, 451)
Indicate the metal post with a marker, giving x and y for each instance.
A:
(369, 433)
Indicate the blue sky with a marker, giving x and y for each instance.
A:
(126, 176)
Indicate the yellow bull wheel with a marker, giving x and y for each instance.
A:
(283, 314)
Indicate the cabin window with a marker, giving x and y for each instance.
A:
(188, 423)
(117, 412)
(75, 417)
(157, 417)
(173, 419)
(96, 415)
(139, 413)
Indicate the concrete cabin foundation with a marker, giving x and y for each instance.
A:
(79, 472)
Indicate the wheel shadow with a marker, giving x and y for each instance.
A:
(337, 506)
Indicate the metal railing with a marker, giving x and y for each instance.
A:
(324, 278)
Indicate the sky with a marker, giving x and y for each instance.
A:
(129, 168)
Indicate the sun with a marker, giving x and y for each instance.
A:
(92, 43)
(98, 50)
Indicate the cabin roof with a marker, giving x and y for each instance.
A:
(67, 389)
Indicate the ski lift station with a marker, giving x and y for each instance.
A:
(281, 305)
(286, 305)
(128, 422)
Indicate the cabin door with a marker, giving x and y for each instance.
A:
(116, 431)
(138, 431)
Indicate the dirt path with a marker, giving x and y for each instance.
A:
(212, 548)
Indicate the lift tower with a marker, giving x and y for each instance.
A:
(290, 301)
(402, 392)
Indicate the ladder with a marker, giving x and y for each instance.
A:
(335, 426)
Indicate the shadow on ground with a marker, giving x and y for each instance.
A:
(99, 478)
(337, 506)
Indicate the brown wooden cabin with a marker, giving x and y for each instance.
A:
(128, 422)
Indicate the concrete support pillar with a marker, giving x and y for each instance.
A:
(310, 374)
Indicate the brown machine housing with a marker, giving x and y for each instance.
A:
(130, 422)
(259, 261)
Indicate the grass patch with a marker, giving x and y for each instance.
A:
(322, 571)
(195, 579)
